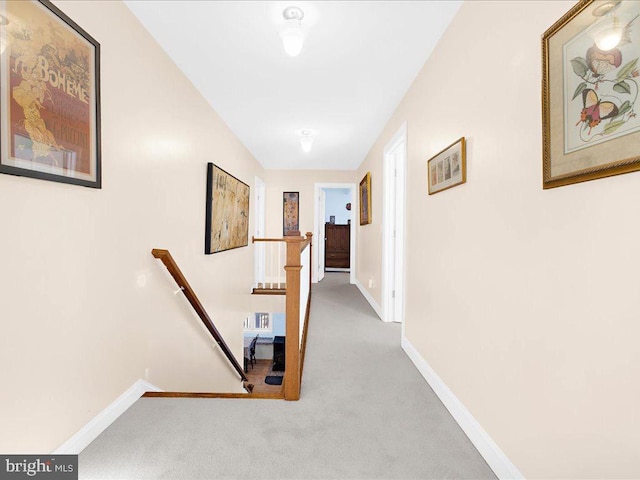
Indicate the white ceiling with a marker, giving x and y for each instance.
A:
(358, 61)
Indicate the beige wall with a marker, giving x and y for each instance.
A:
(85, 309)
(369, 237)
(524, 301)
(279, 181)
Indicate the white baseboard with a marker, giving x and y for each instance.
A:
(101, 421)
(372, 302)
(493, 455)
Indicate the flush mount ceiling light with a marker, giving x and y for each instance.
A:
(306, 138)
(605, 8)
(292, 34)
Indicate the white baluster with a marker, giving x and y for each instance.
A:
(270, 266)
(279, 264)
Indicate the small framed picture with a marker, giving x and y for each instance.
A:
(332, 219)
(447, 168)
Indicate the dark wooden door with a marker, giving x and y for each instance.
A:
(337, 246)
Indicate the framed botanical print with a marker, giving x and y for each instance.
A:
(49, 95)
(590, 87)
(365, 199)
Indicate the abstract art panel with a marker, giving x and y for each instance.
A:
(227, 222)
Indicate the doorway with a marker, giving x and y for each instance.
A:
(337, 221)
(393, 226)
(330, 200)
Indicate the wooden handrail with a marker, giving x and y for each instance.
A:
(304, 241)
(295, 346)
(254, 239)
(177, 275)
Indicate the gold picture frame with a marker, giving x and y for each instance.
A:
(365, 199)
(49, 96)
(590, 121)
(447, 168)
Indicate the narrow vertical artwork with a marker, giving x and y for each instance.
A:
(290, 212)
(365, 200)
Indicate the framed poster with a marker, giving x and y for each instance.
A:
(365, 199)
(447, 168)
(290, 213)
(49, 95)
(590, 85)
(227, 211)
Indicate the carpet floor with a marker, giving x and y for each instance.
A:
(365, 413)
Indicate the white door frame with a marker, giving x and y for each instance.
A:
(320, 245)
(394, 203)
(259, 196)
(316, 227)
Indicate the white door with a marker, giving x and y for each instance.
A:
(320, 241)
(395, 155)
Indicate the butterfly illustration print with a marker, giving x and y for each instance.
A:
(594, 110)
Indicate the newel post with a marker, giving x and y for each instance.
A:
(292, 312)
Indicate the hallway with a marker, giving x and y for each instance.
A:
(365, 412)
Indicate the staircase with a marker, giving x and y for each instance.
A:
(289, 275)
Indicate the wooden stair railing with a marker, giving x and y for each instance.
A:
(296, 343)
(177, 275)
(273, 281)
